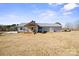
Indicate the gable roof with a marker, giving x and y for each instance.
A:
(32, 23)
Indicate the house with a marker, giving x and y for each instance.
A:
(39, 27)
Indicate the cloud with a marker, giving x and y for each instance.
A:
(47, 16)
(12, 19)
(70, 6)
(67, 13)
(50, 4)
(11, 16)
(56, 4)
(66, 7)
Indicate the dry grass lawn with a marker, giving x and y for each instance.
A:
(57, 43)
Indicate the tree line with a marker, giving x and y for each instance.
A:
(12, 27)
(72, 26)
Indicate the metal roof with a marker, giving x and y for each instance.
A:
(42, 24)
(48, 24)
(22, 24)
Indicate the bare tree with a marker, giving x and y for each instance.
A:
(69, 26)
(77, 25)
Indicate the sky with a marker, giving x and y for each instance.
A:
(16, 13)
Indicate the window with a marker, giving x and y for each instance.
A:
(21, 28)
(32, 28)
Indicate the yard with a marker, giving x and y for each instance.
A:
(49, 44)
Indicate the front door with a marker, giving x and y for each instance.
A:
(33, 29)
(40, 29)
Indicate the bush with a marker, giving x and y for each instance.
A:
(0, 32)
(67, 30)
(45, 32)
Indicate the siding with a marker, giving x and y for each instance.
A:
(45, 29)
(24, 29)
